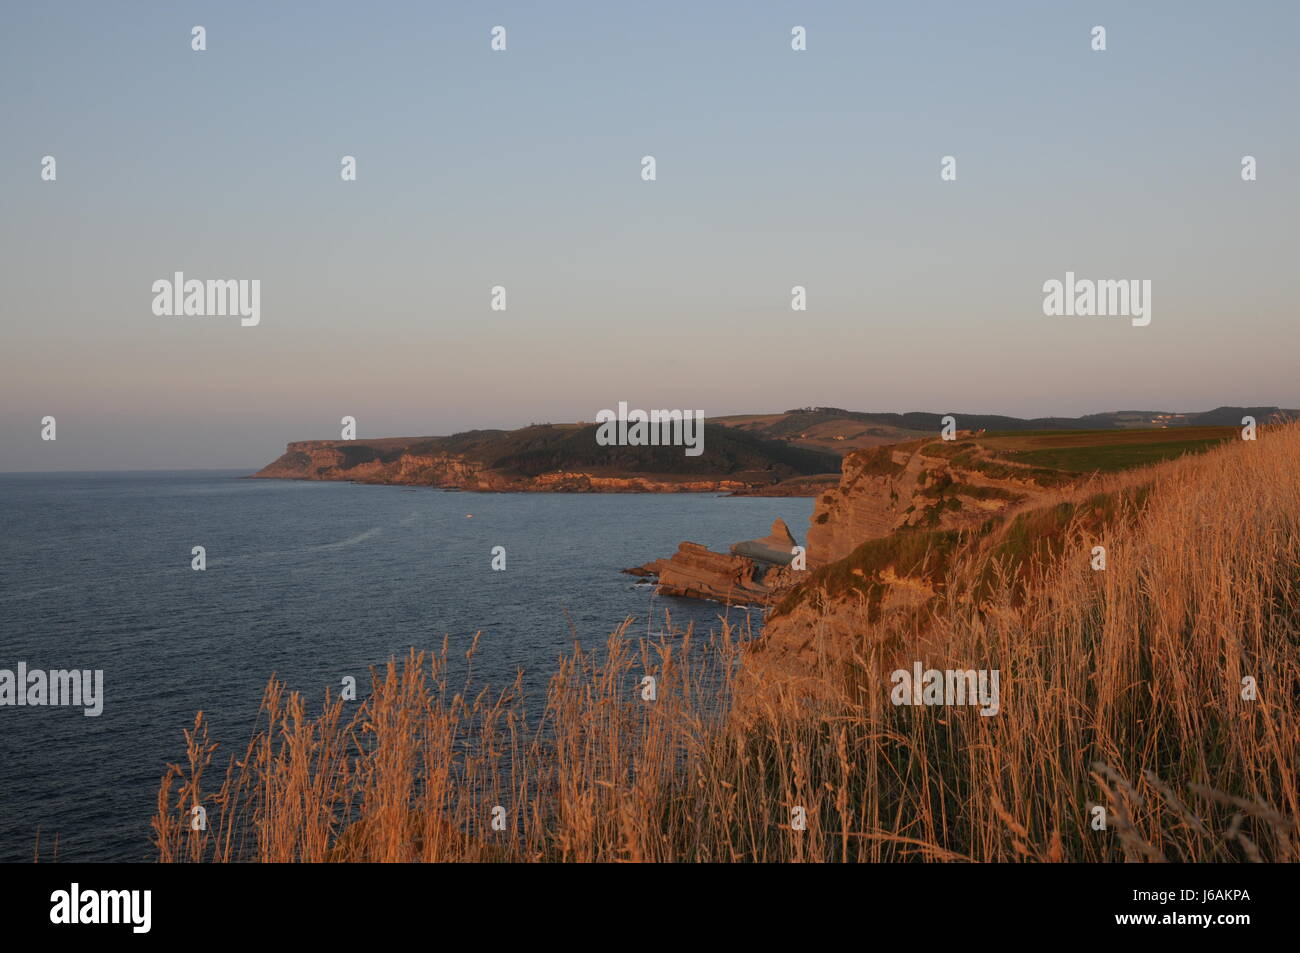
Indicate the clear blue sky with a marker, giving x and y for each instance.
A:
(522, 169)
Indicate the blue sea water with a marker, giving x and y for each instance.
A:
(311, 581)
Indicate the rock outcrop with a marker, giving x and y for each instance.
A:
(755, 572)
(922, 484)
(696, 572)
(882, 541)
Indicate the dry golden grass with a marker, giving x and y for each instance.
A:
(1120, 688)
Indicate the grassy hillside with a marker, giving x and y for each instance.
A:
(1105, 451)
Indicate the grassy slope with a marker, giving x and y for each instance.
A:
(1105, 451)
(1078, 452)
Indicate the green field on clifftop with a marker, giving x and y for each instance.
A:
(1104, 451)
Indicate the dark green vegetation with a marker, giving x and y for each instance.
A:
(546, 448)
(1108, 459)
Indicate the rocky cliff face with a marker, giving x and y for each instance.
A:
(924, 484)
(881, 542)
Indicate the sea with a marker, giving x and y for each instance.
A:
(309, 581)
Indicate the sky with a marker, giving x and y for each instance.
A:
(523, 168)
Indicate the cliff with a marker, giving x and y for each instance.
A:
(559, 458)
(883, 545)
(922, 485)
(925, 484)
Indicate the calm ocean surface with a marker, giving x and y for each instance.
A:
(312, 581)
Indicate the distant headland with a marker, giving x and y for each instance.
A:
(792, 453)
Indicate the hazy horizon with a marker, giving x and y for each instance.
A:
(521, 168)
